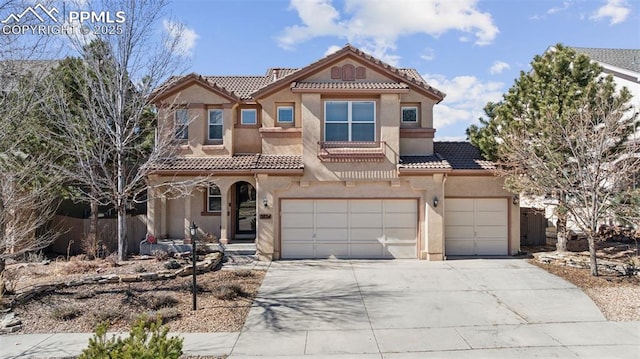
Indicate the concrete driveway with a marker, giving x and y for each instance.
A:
(406, 309)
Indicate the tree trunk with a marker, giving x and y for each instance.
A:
(92, 236)
(122, 233)
(2, 267)
(561, 233)
(593, 260)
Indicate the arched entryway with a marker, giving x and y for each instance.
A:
(243, 204)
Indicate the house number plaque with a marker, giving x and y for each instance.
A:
(265, 216)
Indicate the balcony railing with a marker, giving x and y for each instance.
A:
(352, 151)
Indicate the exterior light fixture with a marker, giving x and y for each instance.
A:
(516, 199)
(265, 202)
(435, 201)
(193, 230)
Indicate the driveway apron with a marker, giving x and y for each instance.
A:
(408, 308)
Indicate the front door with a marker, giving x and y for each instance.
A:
(245, 210)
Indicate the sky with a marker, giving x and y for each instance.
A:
(472, 50)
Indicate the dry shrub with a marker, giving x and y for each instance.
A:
(65, 313)
(79, 264)
(161, 301)
(243, 273)
(166, 315)
(107, 315)
(229, 292)
(160, 255)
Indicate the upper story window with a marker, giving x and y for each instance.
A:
(285, 114)
(350, 121)
(248, 116)
(215, 125)
(214, 199)
(181, 121)
(409, 114)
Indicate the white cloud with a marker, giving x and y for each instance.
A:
(556, 9)
(375, 26)
(332, 49)
(616, 11)
(428, 54)
(466, 98)
(498, 67)
(181, 39)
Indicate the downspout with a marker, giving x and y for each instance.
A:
(444, 247)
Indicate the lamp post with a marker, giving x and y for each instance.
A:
(193, 230)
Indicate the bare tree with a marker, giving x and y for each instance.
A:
(114, 137)
(29, 184)
(602, 161)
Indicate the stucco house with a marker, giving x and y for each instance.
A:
(335, 159)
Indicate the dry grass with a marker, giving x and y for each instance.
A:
(223, 298)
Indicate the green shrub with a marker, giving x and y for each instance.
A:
(147, 340)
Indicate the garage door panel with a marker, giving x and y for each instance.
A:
(399, 220)
(490, 232)
(349, 229)
(456, 218)
(401, 250)
(491, 204)
(459, 231)
(297, 206)
(331, 220)
(366, 250)
(401, 234)
(457, 247)
(331, 234)
(366, 206)
(363, 220)
(332, 206)
(476, 226)
(297, 234)
(400, 206)
(297, 220)
(459, 205)
(326, 250)
(366, 234)
(491, 218)
(491, 247)
(298, 250)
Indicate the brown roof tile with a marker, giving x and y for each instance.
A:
(462, 156)
(350, 85)
(424, 162)
(231, 163)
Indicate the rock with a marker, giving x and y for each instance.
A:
(172, 264)
(129, 278)
(148, 276)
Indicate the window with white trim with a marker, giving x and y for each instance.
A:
(285, 114)
(248, 116)
(214, 199)
(349, 121)
(410, 114)
(215, 125)
(181, 121)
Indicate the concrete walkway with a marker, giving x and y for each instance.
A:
(400, 309)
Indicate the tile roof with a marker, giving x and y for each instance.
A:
(232, 163)
(424, 162)
(462, 156)
(628, 59)
(350, 85)
(246, 87)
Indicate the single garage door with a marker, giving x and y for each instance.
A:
(355, 228)
(476, 226)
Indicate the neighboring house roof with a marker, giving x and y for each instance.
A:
(234, 163)
(448, 156)
(12, 70)
(248, 88)
(627, 59)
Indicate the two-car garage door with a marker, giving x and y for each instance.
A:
(476, 226)
(349, 228)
